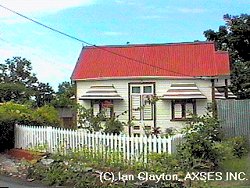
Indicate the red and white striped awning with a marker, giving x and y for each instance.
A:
(101, 92)
(183, 91)
(231, 95)
(221, 95)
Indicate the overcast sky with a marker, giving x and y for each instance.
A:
(102, 22)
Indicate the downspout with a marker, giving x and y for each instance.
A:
(213, 99)
(129, 112)
(226, 89)
(75, 118)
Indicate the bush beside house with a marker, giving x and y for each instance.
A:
(12, 113)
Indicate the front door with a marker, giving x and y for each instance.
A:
(141, 108)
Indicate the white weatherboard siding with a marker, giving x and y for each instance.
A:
(221, 81)
(163, 107)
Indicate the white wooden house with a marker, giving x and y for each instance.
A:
(186, 77)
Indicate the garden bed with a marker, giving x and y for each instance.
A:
(25, 154)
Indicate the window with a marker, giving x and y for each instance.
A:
(141, 107)
(136, 89)
(147, 89)
(183, 109)
(104, 106)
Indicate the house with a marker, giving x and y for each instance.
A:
(186, 77)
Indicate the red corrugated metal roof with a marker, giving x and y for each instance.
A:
(180, 60)
(222, 63)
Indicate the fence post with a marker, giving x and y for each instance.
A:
(170, 145)
(49, 138)
(16, 136)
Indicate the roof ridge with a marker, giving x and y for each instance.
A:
(150, 45)
(221, 51)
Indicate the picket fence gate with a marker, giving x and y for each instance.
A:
(127, 148)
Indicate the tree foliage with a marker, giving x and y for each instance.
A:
(43, 94)
(19, 84)
(234, 37)
(18, 70)
(63, 98)
(66, 88)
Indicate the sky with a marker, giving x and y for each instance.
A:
(102, 22)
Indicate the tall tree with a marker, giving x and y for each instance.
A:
(66, 88)
(19, 71)
(44, 94)
(19, 84)
(234, 37)
(64, 96)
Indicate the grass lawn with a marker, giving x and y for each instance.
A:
(235, 165)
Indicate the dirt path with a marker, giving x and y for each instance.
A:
(17, 183)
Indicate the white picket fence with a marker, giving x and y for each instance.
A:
(129, 148)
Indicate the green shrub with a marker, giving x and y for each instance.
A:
(47, 116)
(86, 117)
(224, 150)
(198, 152)
(62, 172)
(73, 169)
(240, 146)
(99, 122)
(236, 165)
(15, 113)
(12, 113)
(162, 163)
(113, 125)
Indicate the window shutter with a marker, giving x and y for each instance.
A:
(189, 110)
(135, 105)
(177, 111)
(148, 109)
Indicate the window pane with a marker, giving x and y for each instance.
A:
(107, 112)
(189, 110)
(147, 89)
(136, 89)
(96, 108)
(107, 105)
(177, 111)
